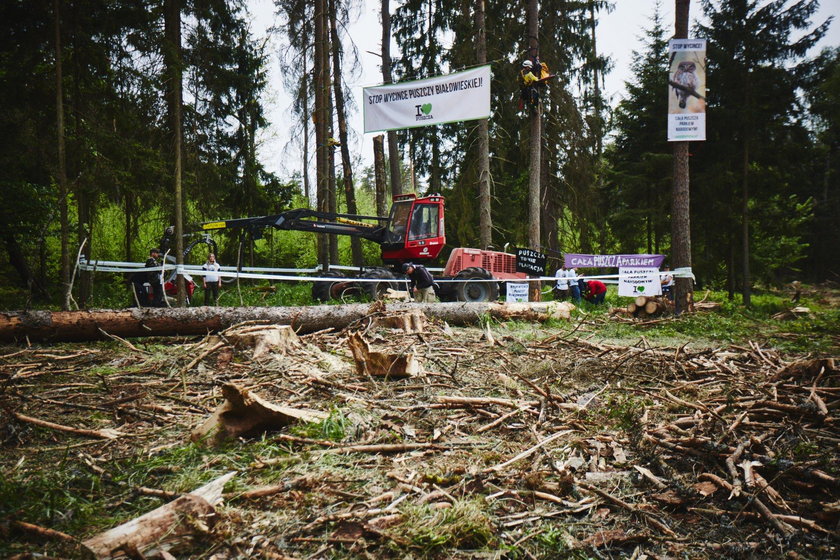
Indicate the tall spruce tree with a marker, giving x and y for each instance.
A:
(754, 47)
(639, 160)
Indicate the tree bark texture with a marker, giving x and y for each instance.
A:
(393, 149)
(379, 174)
(535, 142)
(321, 151)
(485, 221)
(174, 64)
(138, 322)
(64, 266)
(346, 166)
(680, 199)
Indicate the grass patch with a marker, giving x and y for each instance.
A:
(333, 427)
(428, 530)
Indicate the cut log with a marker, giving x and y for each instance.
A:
(632, 307)
(86, 325)
(245, 414)
(265, 338)
(640, 301)
(379, 364)
(162, 528)
(413, 321)
(654, 307)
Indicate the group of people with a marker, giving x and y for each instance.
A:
(569, 284)
(149, 288)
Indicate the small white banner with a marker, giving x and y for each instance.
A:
(687, 90)
(462, 96)
(516, 292)
(634, 282)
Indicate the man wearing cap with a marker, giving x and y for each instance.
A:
(422, 283)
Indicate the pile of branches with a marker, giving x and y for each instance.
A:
(507, 438)
(763, 438)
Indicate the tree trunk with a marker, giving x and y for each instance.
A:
(485, 219)
(535, 141)
(393, 149)
(64, 268)
(18, 262)
(379, 174)
(172, 49)
(138, 322)
(322, 175)
(596, 87)
(680, 217)
(306, 117)
(349, 188)
(746, 288)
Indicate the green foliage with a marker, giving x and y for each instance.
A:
(333, 428)
(429, 530)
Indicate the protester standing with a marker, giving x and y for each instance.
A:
(667, 281)
(154, 278)
(212, 281)
(561, 288)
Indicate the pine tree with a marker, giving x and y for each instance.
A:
(751, 52)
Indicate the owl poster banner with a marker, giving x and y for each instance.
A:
(687, 90)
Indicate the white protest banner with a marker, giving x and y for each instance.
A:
(516, 291)
(634, 282)
(462, 96)
(687, 90)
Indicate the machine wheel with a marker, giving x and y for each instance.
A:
(375, 290)
(475, 291)
(323, 290)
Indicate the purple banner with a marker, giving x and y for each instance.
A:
(577, 260)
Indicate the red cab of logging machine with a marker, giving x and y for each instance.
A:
(415, 230)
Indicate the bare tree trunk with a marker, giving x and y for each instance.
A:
(322, 175)
(485, 219)
(349, 188)
(379, 174)
(393, 149)
(62, 164)
(149, 321)
(746, 289)
(680, 207)
(535, 141)
(172, 24)
(305, 166)
(596, 86)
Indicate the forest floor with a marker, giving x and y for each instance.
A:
(515, 440)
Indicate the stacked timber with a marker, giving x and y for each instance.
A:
(650, 306)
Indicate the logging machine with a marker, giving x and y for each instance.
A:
(413, 232)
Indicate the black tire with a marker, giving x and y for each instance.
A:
(475, 291)
(322, 291)
(375, 290)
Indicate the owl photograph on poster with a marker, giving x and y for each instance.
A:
(686, 77)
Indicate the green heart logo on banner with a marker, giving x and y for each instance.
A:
(427, 108)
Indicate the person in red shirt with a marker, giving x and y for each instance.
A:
(595, 292)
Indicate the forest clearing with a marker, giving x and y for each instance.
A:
(597, 437)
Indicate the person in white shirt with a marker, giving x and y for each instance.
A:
(212, 281)
(561, 288)
(667, 281)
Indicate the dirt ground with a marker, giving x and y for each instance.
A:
(513, 441)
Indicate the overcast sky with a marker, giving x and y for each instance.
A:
(617, 35)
